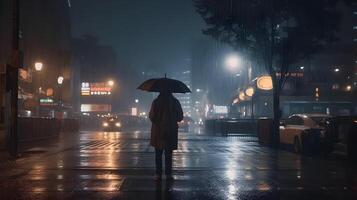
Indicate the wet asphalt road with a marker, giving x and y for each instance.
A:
(99, 165)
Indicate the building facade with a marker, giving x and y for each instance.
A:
(323, 83)
(185, 99)
(94, 67)
(45, 40)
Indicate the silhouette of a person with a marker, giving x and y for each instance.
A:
(164, 114)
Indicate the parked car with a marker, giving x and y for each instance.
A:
(111, 124)
(307, 133)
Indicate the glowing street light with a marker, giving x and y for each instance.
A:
(233, 62)
(38, 66)
(336, 69)
(136, 100)
(111, 83)
(249, 91)
(60, 80)
(348, 88)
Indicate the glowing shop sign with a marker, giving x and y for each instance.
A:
(95, 89)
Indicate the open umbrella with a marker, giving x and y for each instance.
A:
(164, 84)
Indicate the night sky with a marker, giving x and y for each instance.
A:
(144, 33)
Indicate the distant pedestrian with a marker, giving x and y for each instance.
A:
(164, 114)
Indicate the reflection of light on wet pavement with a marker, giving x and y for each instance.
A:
(248, 177)
(85, 176)
(59, 187)
(39, 167)
(38, 189)
(60, 177)
(232, 192)
(115, 162)
(264, 186)
(60, 164)
(231, 174)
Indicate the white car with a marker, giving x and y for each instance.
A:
(304, 131)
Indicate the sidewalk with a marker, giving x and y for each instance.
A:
(98, 165)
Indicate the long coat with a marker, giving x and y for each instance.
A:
(164, 114)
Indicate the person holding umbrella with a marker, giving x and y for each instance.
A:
(165, 113)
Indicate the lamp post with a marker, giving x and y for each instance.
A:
(111, 84)
(38, 87)
(60, 80)
(233, 63)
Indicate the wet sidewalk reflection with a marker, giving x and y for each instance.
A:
(114, 165)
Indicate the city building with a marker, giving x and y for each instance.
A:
(185, 99)
(44, 84)
(95, 79)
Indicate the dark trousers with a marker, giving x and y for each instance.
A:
(168, 161)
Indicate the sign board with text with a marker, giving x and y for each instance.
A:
(96, 89)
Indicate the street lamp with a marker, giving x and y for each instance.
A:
(136, 100)
(348, 88)
(60, 80)
(38, 66)
(336, 69)
(111, 83)
(233, 62)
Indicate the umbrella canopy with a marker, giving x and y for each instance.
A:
(164, 85)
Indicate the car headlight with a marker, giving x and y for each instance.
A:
(117, 124)
(105, 124)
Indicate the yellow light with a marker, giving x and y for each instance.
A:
(111, 83)
(265, 83)
(241, 95)
(38, 66)
(236, 100)
(117, 124)
(249, 92)
(60, 80)
(105, 124)
(348, 88)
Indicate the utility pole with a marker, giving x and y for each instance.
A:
(12, 73)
